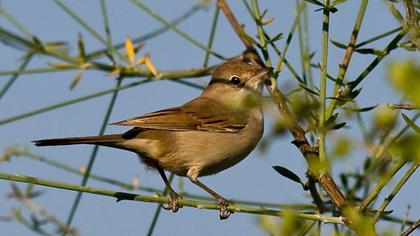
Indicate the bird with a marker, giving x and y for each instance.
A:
(202, 137)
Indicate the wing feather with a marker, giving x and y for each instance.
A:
(199, 114)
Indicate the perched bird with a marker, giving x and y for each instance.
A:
(204, 136)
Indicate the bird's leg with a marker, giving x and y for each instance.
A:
(173, 203)
(224, 212)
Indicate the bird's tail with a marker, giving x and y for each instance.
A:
(105, 140)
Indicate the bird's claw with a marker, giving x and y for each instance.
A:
(173, 202)
(224, 212)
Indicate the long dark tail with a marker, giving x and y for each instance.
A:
(105, 140)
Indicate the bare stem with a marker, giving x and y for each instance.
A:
(163, 200)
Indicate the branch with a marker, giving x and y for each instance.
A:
(246, 40)
(310, 153)
(403, 106)
(396, 189)
(410, 229)
(163, 200)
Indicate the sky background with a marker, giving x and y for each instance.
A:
(252, 179)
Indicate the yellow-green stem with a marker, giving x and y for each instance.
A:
(347, 57)
(323, 80)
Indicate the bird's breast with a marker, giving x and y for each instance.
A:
(212, 152)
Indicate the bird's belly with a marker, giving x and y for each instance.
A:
(210, 152)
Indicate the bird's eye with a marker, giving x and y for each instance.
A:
(235, 80)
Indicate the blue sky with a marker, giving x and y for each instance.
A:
(251, 179)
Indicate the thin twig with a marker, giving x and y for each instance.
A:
(162, 200)
(347, 56)
(150, 35)
(94, 153)
(396, 189)
(70, 102)
(175, 29)
(403, 106)
(380, 185)
(411, 229)
(14, 77)
(158, 209)
(246, 40)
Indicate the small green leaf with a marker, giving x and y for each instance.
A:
(81, 46)
(332, 118)
(308, 89)
(338, 126)
(395, 12)
(288, 174)
(275, 38)
(370, 51)
(344, 181)
(363, 109)
(338, 44)
(411, 123)
(76, 80)
(315, 3)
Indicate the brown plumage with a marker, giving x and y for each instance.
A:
(202, 137)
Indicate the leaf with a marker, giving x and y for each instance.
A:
(288, 174)
(275, 38)
(355, 93)
(267, 21)
(308, 89)
(411, 123)
(330, 9)
(140, 61)
(344, 181)
(76, 80)
(81, 46)
(150, 65)
(337, 2)
(129, 49)
(370, 51)
(16, 191)
(338, 44)
(338, 126)
(395, 12)
(332, 118)
(364, 109)
(315, 3)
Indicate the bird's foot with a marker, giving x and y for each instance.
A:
(224, 212)
(173, 202)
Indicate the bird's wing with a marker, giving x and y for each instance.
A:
(199, 114)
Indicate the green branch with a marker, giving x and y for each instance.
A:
(174, 28)
(163, 200)
(323, 81)
(347, 57)
(69, 102)
(394, 192)
(94, 153)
